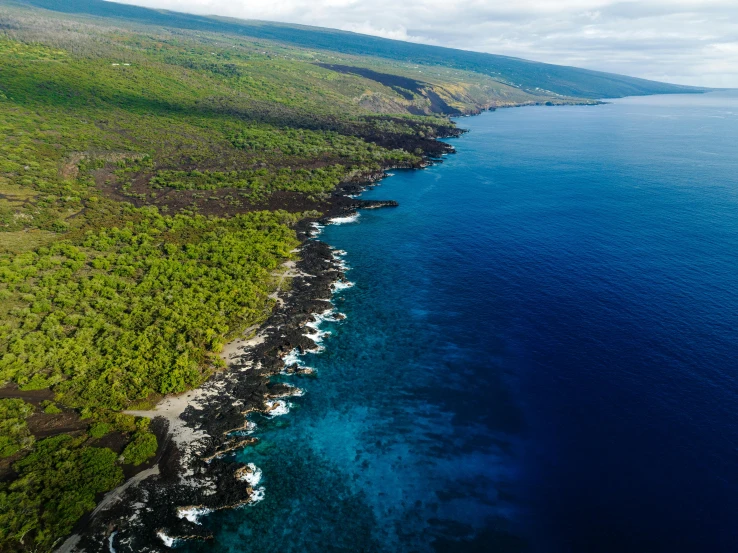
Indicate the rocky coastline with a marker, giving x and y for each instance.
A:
(194, 473)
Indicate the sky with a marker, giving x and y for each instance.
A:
(692, 42)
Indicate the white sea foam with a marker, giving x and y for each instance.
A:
(331, 316)
(169, 542)
(111, 537)
(341, 285)
(192, 514)
(277, 407)
(257, 495)
(319, 348)
(343, 220)
(317, 228)
(340, 253)
(341, 263)
(292, 358)
(253, 477)
(249, 428)
(317, 334)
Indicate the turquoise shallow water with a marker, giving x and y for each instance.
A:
(539, 352)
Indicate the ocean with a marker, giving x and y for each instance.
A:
(540, 351)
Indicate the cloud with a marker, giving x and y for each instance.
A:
(682, 41)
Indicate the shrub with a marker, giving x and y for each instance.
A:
(50, 408)
(99, 429)
(14, 433)
(57, 483)
(141, 447)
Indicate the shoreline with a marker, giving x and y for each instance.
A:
(193, 474)
(205, 425)
(221, 406)
(208, 423)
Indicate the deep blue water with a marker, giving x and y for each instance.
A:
(540, 352)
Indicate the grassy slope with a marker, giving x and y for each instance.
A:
(527, 75)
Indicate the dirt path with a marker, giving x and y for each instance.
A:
(289, 272)
(234, 347)
(115, 495)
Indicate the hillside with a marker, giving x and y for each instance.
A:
(526, 75)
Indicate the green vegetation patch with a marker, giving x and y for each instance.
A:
(100, 429)
(298, 160)
(307, 143)
(256, 181)
(10, 49)
(14, 433)
(57, 483)
(50, 408)
(141, 448)
(143, 308)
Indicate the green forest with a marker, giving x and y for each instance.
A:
(150, 181)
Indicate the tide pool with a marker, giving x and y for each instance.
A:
(539, 352)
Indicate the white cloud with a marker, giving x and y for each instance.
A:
(683, 41)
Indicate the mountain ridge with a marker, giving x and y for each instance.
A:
(527, 75)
